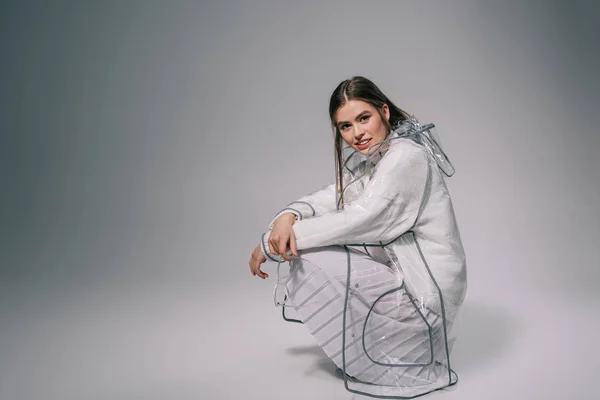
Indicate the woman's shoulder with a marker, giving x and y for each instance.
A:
(405, 145)
(404, 152)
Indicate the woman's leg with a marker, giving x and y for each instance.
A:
(393, 328)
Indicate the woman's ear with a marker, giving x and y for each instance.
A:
(386, 111)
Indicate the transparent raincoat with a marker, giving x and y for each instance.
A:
(392, 267)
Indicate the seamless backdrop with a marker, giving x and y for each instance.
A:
(145, 145)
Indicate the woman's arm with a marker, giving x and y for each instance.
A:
(313, 205)
(281, 234)
(387, 208)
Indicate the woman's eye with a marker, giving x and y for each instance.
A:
(364, 117)
(343, 127)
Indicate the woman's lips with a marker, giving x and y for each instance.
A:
(363, 145)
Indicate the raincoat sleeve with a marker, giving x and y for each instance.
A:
(387, 208)
(313, 205)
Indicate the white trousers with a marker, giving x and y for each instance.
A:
(389, 340)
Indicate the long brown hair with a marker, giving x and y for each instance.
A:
(358, 88)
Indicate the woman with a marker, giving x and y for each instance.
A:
(376, 265)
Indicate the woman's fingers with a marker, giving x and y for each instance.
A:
(279, 243)
(251, 265)
(282, 247)
(293, 247)
(272, 246)
(256, 260)
(260, 273)
(255, 268)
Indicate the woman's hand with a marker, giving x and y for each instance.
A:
(256, 260)
(282, 236)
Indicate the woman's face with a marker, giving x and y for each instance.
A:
(361, 126)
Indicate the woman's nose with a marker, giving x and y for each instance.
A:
(358, 132)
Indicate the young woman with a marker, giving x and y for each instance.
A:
(376, 269)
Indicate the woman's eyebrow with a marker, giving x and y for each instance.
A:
(357, 117)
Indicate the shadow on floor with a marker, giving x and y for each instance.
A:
(485, 335)
(322, 363)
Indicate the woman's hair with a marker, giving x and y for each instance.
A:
(359, 88)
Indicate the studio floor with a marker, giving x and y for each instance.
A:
(173, 341)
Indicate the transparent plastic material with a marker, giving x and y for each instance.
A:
(382, 294)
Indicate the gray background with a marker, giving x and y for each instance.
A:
(146, 145)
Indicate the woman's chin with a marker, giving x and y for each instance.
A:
(369, 151)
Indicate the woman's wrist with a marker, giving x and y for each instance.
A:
(288, 217)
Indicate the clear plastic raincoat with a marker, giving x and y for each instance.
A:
(379, 281)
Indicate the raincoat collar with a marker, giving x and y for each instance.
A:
(409, 128)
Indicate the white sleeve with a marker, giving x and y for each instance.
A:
(312, 205)
(387, 208)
